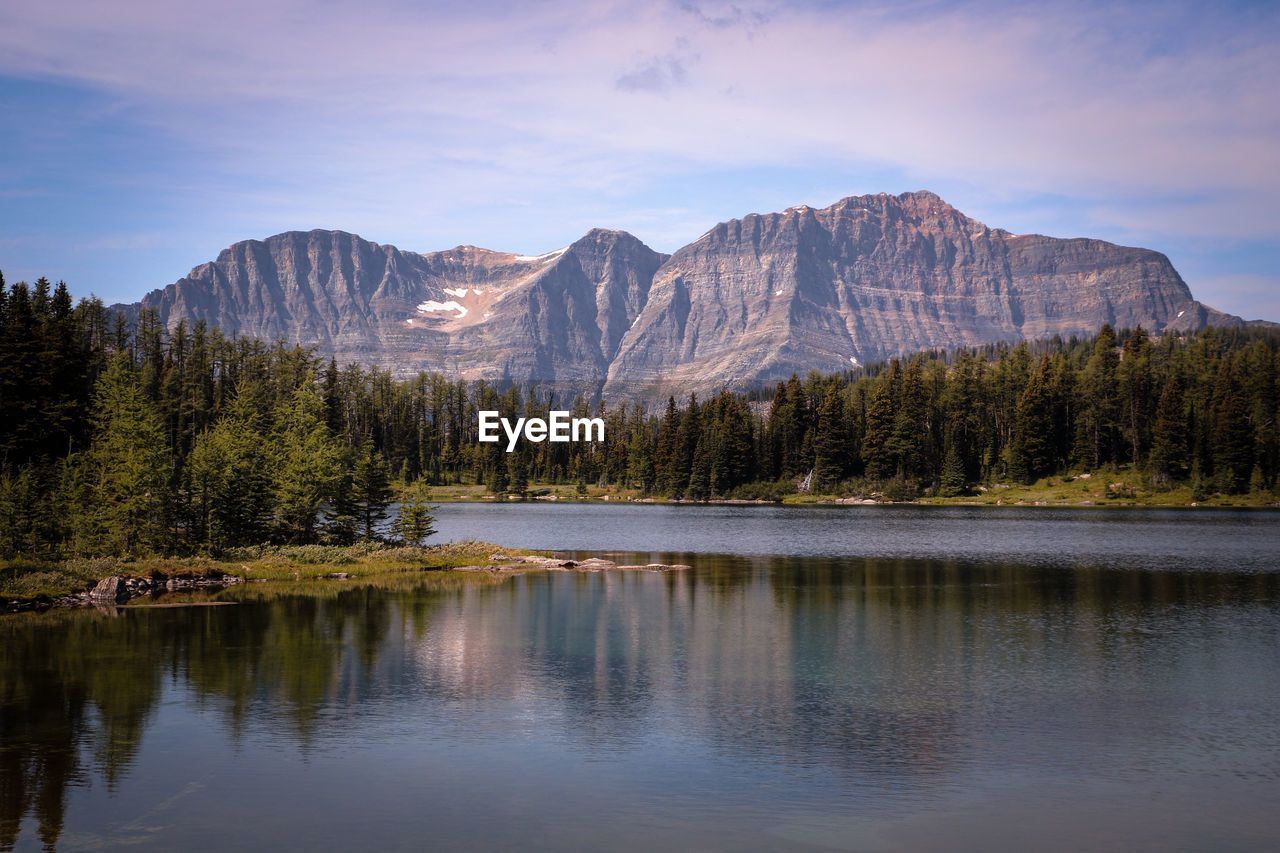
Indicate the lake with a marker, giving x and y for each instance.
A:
(1213, 539)
(824, 678)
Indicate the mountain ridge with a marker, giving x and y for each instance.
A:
(750, 301)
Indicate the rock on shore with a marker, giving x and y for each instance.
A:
(514, 563)
(114, 590)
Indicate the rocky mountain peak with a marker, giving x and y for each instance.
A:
(751, 301)
(873, 276)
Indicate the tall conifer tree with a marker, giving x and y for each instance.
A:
(124, 474)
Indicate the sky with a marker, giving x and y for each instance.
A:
(139, 138)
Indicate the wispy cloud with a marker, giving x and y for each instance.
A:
(1031, 98)
(1154, 121)
(659, 74)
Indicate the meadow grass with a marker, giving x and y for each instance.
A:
(28, 579)
(1122, 488)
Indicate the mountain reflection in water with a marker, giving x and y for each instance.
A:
(765, 703)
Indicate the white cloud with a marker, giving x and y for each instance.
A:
(1039, 100)
(391, 112)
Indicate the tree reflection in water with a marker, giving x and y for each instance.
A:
(877, 672)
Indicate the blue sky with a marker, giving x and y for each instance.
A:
(141, 138)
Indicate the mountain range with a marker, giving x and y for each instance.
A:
(750, 302)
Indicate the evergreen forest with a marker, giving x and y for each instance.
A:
(126, 439)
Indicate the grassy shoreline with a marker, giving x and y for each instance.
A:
(24, 583)
(1123, 488)
(27, 583)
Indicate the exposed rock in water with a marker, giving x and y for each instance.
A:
(591, 564)
(595, 564)
(112, 589)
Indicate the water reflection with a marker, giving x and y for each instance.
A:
(1200, 539)
(825, 676)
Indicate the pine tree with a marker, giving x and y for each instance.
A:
(229, 474)
(342, 511)
(788, 423)
(686, 444)
(830, 445)
(1062, 394)
(498, 476)
(877, 450)
(414, 522)
(1261, 371)
(965, 405)
(190, 389)
(1134, 376)
(20, 372)
(1100, 404)
(667, 464)
(64, 389)
(700, 473)
(24, 514)
(910, 440)
(1168, 458)
(1232, 434)
(240, 466)
(334, 409)
(1199, 491)
(952, 480)
(519, 474)
(124, 474)
(309, 466)
(1031, 452)
(1006, 383)
(371, 488)
(641, 470)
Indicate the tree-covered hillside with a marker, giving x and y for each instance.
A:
(129, 440)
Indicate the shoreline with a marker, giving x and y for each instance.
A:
(1224, 503)
(1124, 487)
(127, 585)
(36, 585)
(1234, 502)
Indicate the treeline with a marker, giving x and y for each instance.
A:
(120, 438)
(1201, 407)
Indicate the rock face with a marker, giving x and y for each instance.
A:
(756, 299)
(469, 313)
(748, 303)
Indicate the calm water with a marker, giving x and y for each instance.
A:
(1132, 539)
(853, 679)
